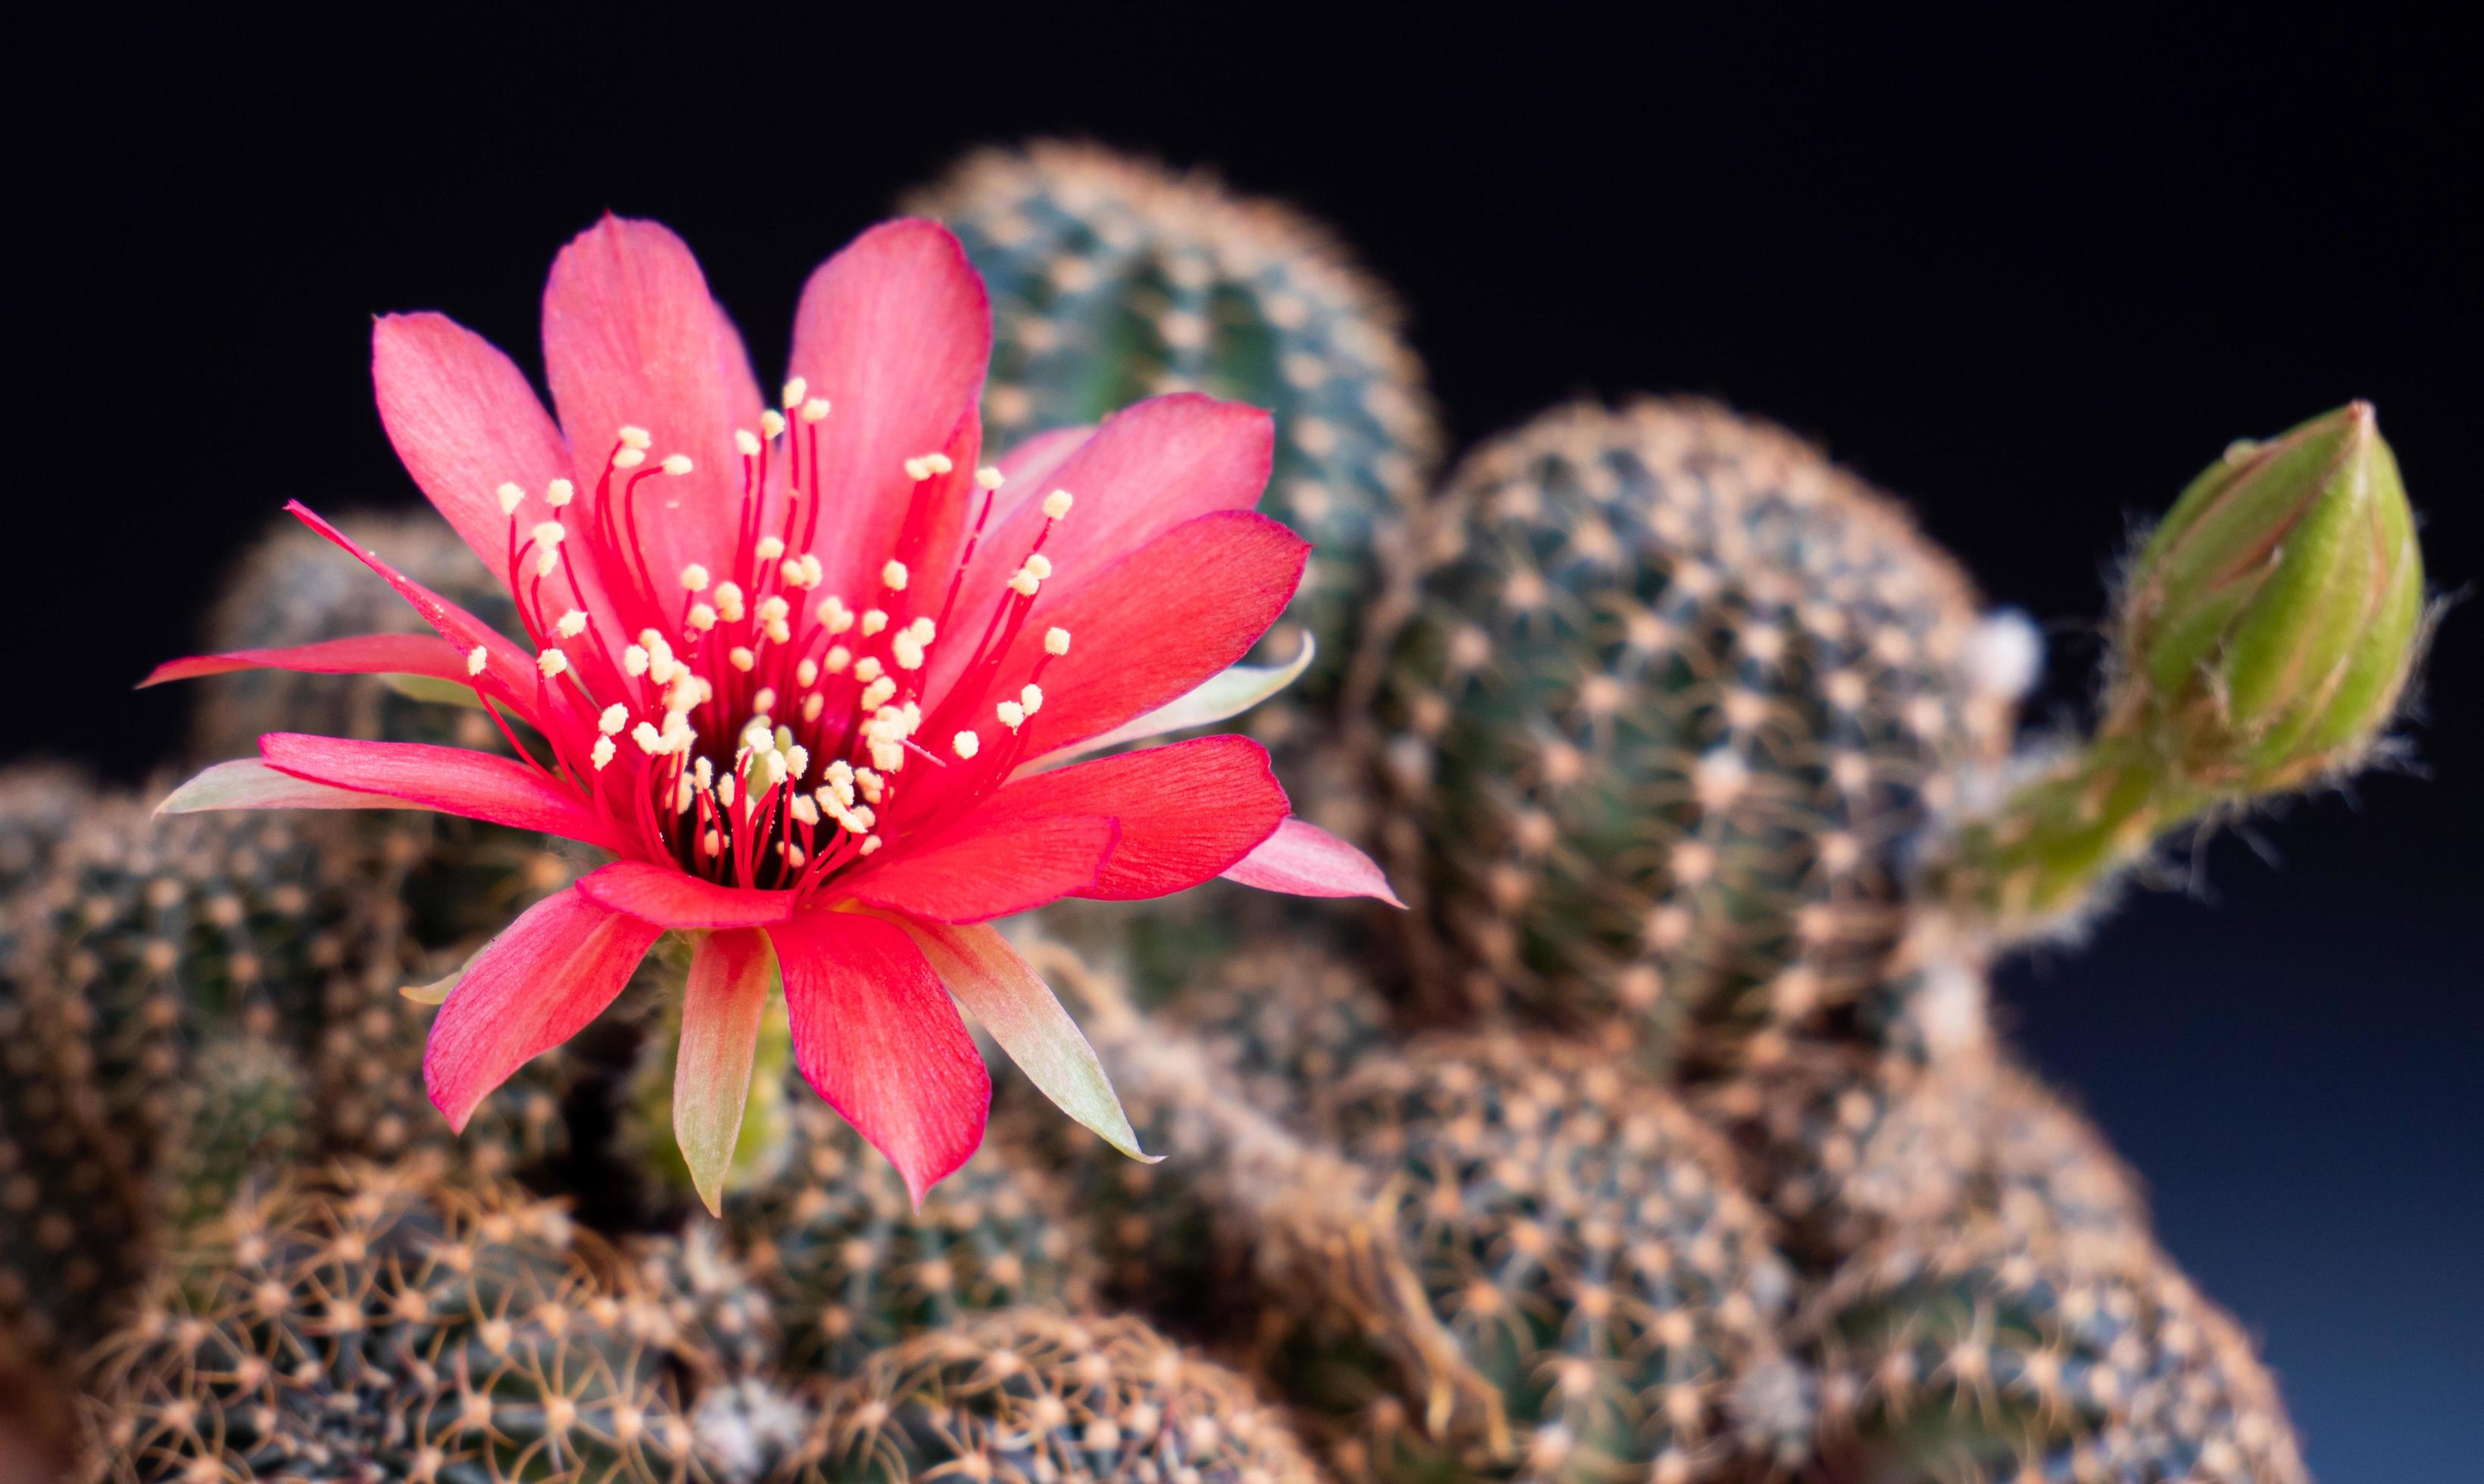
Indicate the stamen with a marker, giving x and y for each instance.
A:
(615, 716)
(1057, 505)
(795, 390)
(893, 576)
(559, 493)
(815, 408)
(1056, 641)
(746, 443)
(635, 437)
(694, 577)
(1012, 716)
(475, 659)
(771, 423)
(510, 498)
(966, 743)
(603, 752)
(629, 457)
(572, 624)
(676, 465)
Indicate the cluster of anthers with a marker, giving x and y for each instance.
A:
(822, 700)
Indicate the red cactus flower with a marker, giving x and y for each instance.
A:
(811, 675)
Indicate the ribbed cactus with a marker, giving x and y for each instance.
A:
(1679, 701)
(378, 1324)
(1976, 1353)
(1029, 1395)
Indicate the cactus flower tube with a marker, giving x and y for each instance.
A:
(815, 677)
(2266, 633)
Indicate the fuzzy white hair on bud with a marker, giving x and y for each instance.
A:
(1057, 505)
(510, 497)
(2003, 655)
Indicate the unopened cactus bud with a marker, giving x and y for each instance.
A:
(2268, 630)
(2271, 621)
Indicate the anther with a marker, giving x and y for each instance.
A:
(552, 662)
(795, 390)
(770, 548)
(815, 408)
(1057, 505)
(702, 617)
(572, 624)
(838, 657)
(1024, 583)
(559, 493)
(746, 442)
(1056, 641)
(989, 477)
(548, 533)
(763, 702)
(1039, 565)
(694, 577)
(475, 659)
(966, 743)
(728, 601)
(893, 576)
(510, 497)
(629, 458)
(1031, 697)
(615, 716)
(874, 620)
(868, 668)
(603, 752)
(806, 673)
(632, 436)
(1012, 716)
(742, 657)
(676, 465)
(648, 739)
(634, 660)
(771, 423)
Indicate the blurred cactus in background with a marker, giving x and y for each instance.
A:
(1665, 1136)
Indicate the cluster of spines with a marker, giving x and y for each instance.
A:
(381, 1323)
(1678, 700)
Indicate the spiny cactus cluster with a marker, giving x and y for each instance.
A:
(1665, 1136)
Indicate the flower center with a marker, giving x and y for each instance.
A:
(745, 725)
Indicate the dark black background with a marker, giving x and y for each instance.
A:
(2031, 280)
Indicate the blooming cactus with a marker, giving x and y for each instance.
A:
(815, 678)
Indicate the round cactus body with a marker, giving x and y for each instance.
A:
(378, 1324)
(1578, 1233)
(853, 1266)
(1677, 701)
(1978, 1354)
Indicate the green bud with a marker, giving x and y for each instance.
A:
(2270, 622)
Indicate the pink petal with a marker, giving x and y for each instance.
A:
(894, 332)
(367, 654)
(508, 674)
(1305, 860)
(731, 975)
(1148, 629)
(974, 874)
(1027, 471)
(877, 1037)
(1145, 471)
(452, 780)
(464, 422)
(632, 338)
(671, 897)
(534, 986)
(1188, 812)
(1003, 993)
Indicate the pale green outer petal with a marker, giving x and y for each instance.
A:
(1013, 1003)
(431, 688)
(1226, 694)
(733, 973)
(247, 783)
